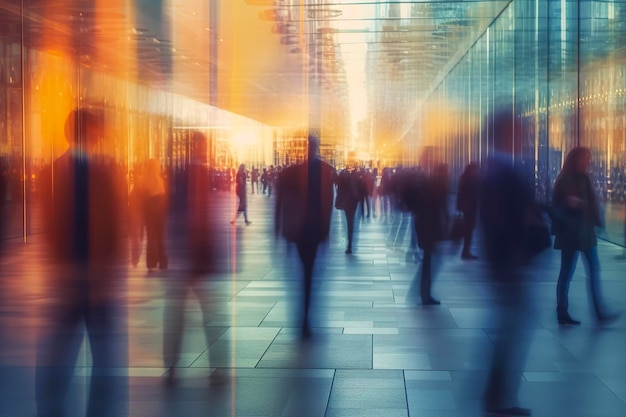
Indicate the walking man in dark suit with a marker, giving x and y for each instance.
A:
(82, 217)
(303, 210)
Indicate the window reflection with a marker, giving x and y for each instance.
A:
(563, 71)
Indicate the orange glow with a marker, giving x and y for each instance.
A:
(54, 96)
(256, 54)
(437, 122)
(186, 36)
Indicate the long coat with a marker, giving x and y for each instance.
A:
(574, 227)
(348, 191)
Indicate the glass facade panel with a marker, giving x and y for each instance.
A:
(557, 63)
(602, 105)
(12, 184)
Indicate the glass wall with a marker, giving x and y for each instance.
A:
(558, 65)
(12, 185)
(602, 103)
(105, 58)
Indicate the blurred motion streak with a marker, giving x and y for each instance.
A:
(82, 216)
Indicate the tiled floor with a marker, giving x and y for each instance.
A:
(375, 352)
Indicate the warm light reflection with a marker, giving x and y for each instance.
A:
(244, 144)
(353, 41)
(438, 121)
(252, 61)
(55, 99)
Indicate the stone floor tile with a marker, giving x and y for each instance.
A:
(374, 351)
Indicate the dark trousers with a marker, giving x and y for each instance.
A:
(569, 258)
(58, 351)
(307, 251)
(513, 335)
(350, 215)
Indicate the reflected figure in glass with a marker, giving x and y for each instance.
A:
(304, 203)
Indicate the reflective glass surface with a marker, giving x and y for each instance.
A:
(384, 81)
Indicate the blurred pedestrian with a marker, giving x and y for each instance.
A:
(154, 203)
(362, 191)
(82, 214)
(203, 254)
(372, 190)
(467, 203)
(304, 205)
(347, 200)
(385, 192)
(505, 203)
(271, 179)
(254, 180)
(369, 182)
(264, 180)
(576, 214)
(240, 189)
(136, 222)
(431, 224)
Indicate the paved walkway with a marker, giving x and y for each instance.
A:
(374, 351)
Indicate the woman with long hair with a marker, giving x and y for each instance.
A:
(576, 214)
